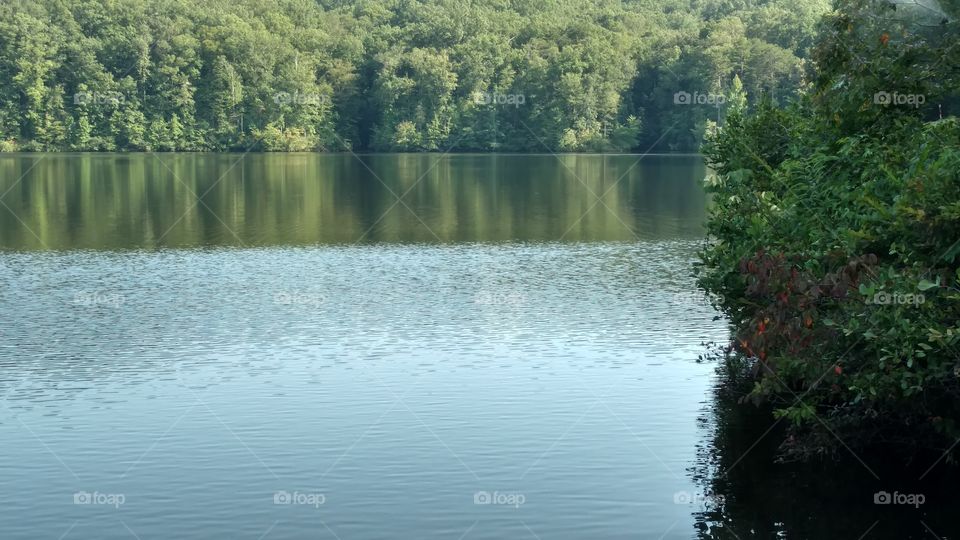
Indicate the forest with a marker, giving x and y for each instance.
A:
(392, 75)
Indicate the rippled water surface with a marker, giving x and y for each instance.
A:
(384, 342)
(431, 347)
(396, 381)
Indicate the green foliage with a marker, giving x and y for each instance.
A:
(418, 75)
(836, 235)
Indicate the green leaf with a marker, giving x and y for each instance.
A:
(926, 285)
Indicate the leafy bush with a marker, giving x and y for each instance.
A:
(835, 233)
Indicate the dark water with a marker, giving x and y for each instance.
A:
(498, 356)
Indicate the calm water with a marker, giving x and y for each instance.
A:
(84, 201)
(497, 356)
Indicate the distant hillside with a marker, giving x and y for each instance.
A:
(389, 75)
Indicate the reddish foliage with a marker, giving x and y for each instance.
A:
(790, 301)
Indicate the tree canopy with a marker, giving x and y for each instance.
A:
(388, 75)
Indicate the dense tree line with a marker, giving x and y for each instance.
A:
(411, 75)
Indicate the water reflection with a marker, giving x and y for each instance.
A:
(746, 492)
(97, 201)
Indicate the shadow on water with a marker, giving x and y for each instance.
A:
(747, 491)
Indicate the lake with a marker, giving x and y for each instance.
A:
(379, 346)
